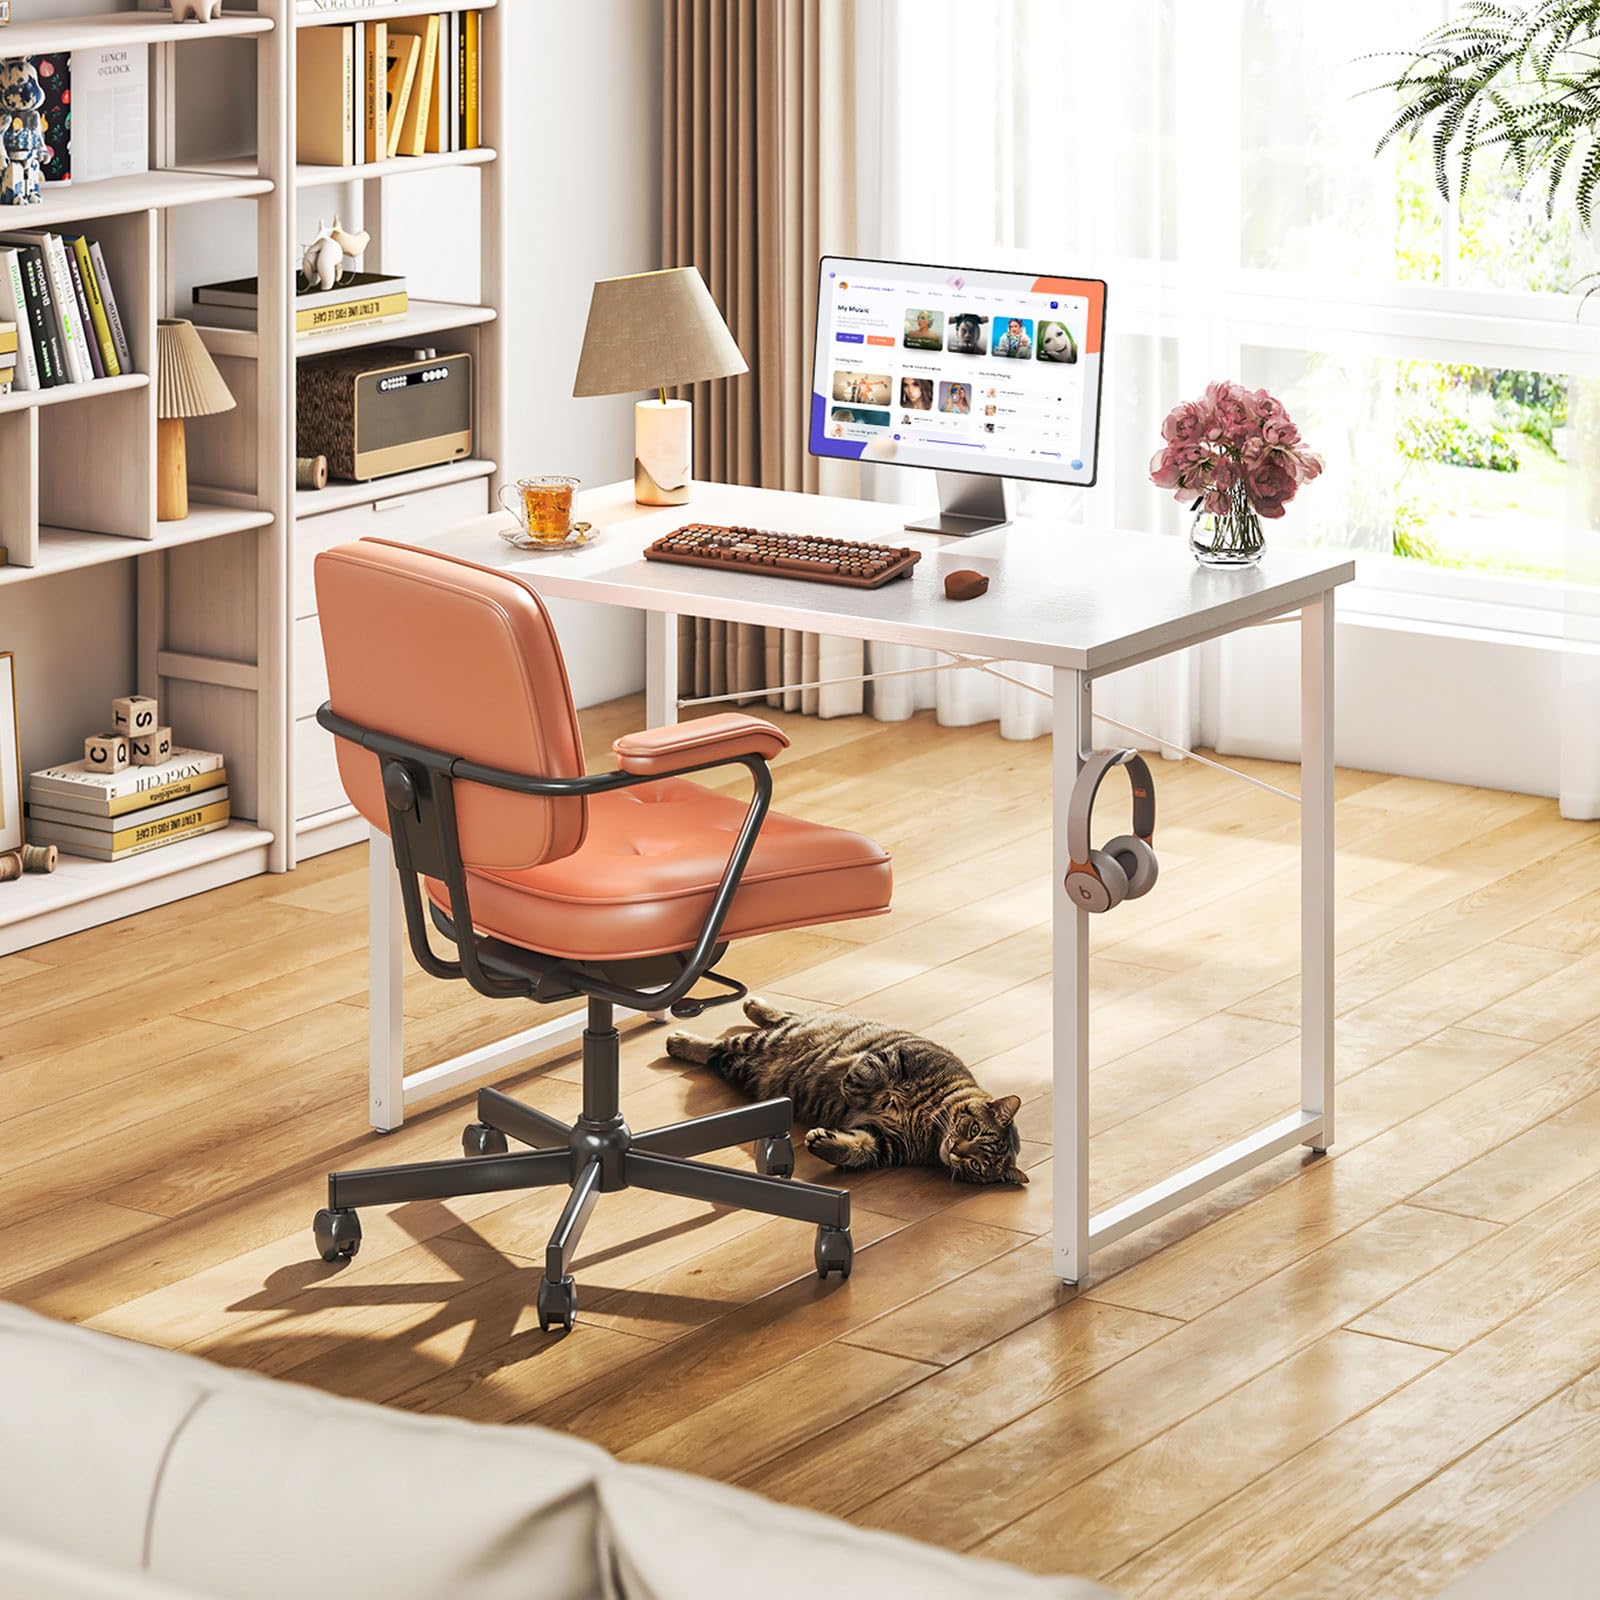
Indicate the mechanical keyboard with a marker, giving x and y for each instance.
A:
(815, 558)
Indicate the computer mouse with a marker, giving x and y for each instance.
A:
(964, 584)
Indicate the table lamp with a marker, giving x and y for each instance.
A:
(653, 330)
(187, 385)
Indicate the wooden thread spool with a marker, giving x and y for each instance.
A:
(311, 472)
(10, 866)
(39, 857)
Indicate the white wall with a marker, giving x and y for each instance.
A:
(583, 169)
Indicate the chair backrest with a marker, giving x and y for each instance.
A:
(462, 659)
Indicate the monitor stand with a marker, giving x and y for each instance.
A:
(969, 502)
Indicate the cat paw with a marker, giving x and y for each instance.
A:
(761, 1014)
(685, 1047)
(834, 1148)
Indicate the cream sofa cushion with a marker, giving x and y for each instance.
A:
(273, 1490)
(85, 1423)
(31, 1572)
(673, 1537)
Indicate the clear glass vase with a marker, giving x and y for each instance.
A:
(1231, 538)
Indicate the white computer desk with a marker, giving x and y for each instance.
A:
(1083, 604)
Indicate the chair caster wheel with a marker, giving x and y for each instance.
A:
(558, 1303)
(338, 1234)
(775, 1156)
(834, 1251)
(479, 1139)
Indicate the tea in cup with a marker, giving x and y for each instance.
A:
(542, 506)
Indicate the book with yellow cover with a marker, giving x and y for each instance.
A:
(76, 786)
(8, 339)
(380, 308)
(474, 31)
(377, 135)
(404, 49)
(413, 135)
(325, 97)
(100, 322)
(135, 840)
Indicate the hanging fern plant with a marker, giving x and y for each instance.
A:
(1517, 81)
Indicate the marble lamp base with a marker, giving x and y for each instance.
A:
(663, 452)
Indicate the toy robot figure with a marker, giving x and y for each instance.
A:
(200, 10)
(21, 133)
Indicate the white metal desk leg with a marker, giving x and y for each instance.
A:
(386, 1039)
(1070, 990)
(660, 669)
(1316, 866)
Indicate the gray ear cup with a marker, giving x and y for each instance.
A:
(1138, 862)
(1102, 893)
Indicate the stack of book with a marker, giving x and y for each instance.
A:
(8, 355)
(357, 297)
(374, 91)
(58, 293)
(109, 816)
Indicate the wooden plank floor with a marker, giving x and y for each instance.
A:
(1349, 1376)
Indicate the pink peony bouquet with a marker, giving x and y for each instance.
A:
(1235, 440)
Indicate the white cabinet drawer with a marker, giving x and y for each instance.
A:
(402, 516)
(310, 671)
(316, 770)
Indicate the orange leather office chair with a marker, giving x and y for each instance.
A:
(456, 734)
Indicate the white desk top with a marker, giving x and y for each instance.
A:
(1093, 602)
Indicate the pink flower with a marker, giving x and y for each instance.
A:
(1185, 423)
(1234, 406)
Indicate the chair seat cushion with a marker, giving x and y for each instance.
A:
(641, 882)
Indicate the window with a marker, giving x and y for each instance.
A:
(1216, 163)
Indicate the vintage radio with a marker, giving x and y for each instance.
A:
(384, 409)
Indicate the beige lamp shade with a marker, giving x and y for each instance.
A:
(187, 381)
(654, 330)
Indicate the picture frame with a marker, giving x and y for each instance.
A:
(11, 836)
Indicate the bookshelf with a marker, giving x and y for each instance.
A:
(215, 615)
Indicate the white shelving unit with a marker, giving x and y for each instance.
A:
(219, 614)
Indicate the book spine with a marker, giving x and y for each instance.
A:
(461, 81)
(14, 300)
(320, 318)
(347, 84)
(422, 91)
(99, 324)
(47, 338)
(78, 366)
(91, 800)
(80, 297)
(377, 146)
(474, 69)
(47, 810)
(108, 294)
(81, 842)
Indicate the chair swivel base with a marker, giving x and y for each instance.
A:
(598, 1154)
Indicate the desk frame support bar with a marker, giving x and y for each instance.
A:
(1316, 868)
(1072, 736)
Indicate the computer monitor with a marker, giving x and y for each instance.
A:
(981, 375)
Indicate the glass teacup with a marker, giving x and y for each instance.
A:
(542, 506)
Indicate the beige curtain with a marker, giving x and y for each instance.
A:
(758, 182)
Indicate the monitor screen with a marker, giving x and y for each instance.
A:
(965, 371)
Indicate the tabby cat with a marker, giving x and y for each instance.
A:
(875, 1096)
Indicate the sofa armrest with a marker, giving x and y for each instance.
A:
(656, 752)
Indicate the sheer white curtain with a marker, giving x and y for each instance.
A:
(1037, 136)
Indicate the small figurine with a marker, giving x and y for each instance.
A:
(200, 10)
(21, 133)
(323, 265)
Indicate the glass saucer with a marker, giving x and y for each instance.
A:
(519, 540)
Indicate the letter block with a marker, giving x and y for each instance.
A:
(105, 752)
(135, 713)
(151, 749)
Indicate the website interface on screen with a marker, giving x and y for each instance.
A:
(972, 371)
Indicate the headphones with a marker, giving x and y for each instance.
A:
(1126, 867)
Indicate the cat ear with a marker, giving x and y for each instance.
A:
(1015, 1174)
(1005, 1108)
